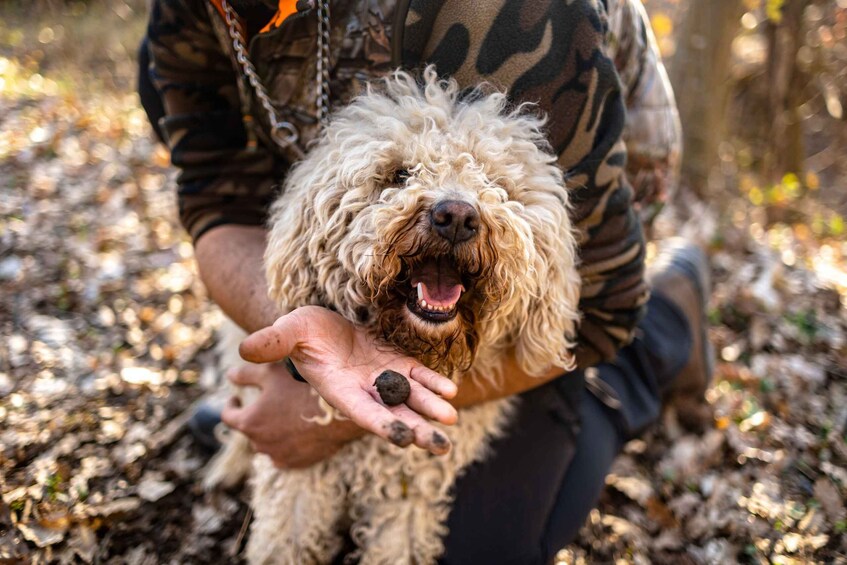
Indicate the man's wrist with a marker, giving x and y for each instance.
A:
(289, 364)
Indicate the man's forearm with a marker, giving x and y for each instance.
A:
(230, 260)
(476, 390)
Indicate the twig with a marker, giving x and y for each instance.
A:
(166, 435)
(243, 532)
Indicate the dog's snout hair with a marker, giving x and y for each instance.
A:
(455, 220)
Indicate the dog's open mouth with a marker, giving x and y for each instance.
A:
(436, 287)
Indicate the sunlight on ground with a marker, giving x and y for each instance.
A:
(106, 332)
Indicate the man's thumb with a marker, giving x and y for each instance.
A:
(271, 344)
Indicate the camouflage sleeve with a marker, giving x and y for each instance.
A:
(652, 134)
(223, 177)
(554, 54)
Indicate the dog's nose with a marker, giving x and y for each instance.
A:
(455, 221)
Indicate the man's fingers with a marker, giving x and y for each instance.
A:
(233, 415)
(267, 345)
(426, 403)
(435, 382)
(400, 425)
(368, 414)
(427, 436)
(246, 376)
(272, 343)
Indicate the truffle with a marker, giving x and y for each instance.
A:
(393, 388)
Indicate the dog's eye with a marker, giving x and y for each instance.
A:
(400, 177)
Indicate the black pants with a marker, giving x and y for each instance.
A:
(531, 496)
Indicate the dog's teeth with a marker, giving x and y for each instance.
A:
(423, 304)
(420, 292)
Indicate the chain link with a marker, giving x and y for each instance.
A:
(322, 78)
(284, 133)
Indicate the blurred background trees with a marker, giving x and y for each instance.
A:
(106, 333)
(760, 84)
(699, 66)
(761, 88)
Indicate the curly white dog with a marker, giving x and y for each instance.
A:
(438, 220)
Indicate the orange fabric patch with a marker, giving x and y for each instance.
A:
(285, 9)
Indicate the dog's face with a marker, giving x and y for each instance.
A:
(441, 223)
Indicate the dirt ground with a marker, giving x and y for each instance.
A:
(106, 339)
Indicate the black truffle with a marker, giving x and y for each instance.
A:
(393, 388)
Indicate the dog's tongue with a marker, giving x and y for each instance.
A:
(440, 282)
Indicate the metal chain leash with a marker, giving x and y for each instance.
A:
(284, 133)
(322, 78)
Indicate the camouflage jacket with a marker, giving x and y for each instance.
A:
(582, 61)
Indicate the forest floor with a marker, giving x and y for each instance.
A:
(107, 342)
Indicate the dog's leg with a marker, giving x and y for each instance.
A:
(231, 465)
(411, 533)
(296, 513)
(388, 525)
(402, 499)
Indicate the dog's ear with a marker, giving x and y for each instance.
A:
(292, 281)
(304, 259)
(551, 316)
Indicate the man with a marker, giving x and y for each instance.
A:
(239, 88)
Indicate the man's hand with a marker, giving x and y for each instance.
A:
(277, 423)
(341, 361)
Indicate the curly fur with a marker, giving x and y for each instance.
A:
(345, 234)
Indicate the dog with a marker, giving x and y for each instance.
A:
(437, 219)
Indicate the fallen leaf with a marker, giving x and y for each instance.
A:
(152, 490)
(83, 542)
(635, 488)
(830, 499)
(114, 509)
(41, 536)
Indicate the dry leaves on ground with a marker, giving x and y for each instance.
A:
(106, 334)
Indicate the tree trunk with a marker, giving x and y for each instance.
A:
(785, 85)
(699, 72)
